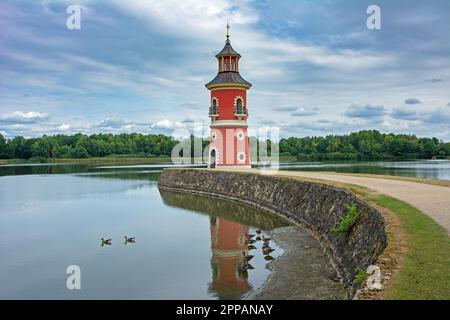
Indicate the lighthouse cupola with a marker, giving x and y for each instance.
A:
(228, 111)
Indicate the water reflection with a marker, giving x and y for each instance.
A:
(229, 226)
(227, 244)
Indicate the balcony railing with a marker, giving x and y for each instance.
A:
(241, 114)
(213, 112)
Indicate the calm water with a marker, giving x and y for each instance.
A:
(186, 246)
(430, 169)
(53, 216)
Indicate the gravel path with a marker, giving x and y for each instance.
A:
(430, 199)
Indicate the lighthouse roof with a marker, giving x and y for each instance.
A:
(228, 77)
(228, 50)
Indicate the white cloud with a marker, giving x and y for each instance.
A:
(18, 117)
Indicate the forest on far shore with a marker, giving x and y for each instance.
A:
(362, 145)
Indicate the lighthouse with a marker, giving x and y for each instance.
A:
(229, 145)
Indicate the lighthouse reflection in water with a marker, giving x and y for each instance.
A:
(233, 275)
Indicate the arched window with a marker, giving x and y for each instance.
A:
(214, 107)
(239, 107)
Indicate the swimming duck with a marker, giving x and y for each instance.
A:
(251, 247)
(106, 242)
(251, 241)
(258, 238)
(258, 231)
(249, 236)
(131, 240)
(269, 258)
(266, 239)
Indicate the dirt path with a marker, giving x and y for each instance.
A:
(430, 199)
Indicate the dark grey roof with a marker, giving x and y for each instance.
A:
(228, 50)
(228, 77)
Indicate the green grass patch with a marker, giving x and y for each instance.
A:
(425, 271)
(347, 222)
(360, 276)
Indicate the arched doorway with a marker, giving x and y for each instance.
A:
(212, 159)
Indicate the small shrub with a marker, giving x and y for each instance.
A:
(360, 276)
(347, 222)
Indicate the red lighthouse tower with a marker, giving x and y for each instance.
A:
(229, 146)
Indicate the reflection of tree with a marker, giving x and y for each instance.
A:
(229, 210)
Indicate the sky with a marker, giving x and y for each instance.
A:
(141, 66)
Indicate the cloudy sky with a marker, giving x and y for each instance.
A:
(141, 65)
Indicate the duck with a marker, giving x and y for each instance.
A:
(249, 236)
(249, 266)
(251, 241)
(244, 266)
(258, 238)
(266, 239)
(106, 242)
(247, 257)
(251, 247)
(267, 250)
(258, 231)
(269, 258)
(131, 240)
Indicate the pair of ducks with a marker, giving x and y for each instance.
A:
(108, 242)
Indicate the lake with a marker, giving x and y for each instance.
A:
(429, 169)
(187, 247)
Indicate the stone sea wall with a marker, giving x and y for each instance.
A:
(315, 206)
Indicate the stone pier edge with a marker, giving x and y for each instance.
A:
(361, 248)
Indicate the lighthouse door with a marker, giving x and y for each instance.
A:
(212, 163)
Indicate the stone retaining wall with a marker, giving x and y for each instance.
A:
(317, 207)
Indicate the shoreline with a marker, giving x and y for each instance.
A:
(292, 279)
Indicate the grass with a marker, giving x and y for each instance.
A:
(347, 222)
(425, 270)
(424, 261)
(361, 276)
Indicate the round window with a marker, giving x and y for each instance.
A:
(241, 157)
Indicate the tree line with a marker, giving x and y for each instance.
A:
(362, 145)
